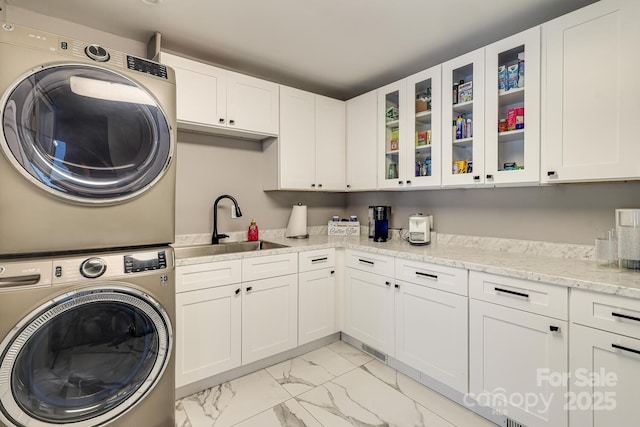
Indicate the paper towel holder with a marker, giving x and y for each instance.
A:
(297, 227)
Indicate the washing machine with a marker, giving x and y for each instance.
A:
(87, 340)
(87, 137)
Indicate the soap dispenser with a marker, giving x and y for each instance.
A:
(252, 234)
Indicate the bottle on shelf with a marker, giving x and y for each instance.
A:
(459, 127)
(252, 233)
(469, 130)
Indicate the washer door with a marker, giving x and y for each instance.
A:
(85, 133)
(83, 359)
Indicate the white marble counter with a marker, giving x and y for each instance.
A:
(563, 265)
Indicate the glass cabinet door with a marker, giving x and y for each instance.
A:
(463, 120)
(392, 131)
(512, 138)
(423, 125)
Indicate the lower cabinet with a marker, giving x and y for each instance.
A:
(369, 311)
(269, 317)
(431, 333)
(316, 308)
(208, 332)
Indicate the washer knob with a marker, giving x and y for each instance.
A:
(97, 53)
(92, 268)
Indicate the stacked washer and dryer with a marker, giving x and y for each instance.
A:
(87, 195)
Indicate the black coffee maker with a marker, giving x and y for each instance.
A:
(379, 223)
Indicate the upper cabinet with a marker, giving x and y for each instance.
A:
(362, 131)
(590, 100)
(215, 100)
(392, 130)
(463, 120)
(310, 152)
(512, 110)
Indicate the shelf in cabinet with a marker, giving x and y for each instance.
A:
(423, 147)
(463, 107)
(392, 152)
(393, 123)
(423, 116)
(512, 135)
(463, 142)
(512, 96)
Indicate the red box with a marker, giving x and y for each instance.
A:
(511, 119)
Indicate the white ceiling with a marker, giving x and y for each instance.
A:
(339, 48)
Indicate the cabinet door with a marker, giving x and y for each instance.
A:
(513, 155)
(330, 144)
(201, 91)
(207, 333)
(613, 363)
(369, 309)
(269, 317)
(317, 300)
(362, 131)
(591, 106)
(424, 124)
(431, 333)
(297, 139)
(252, 104)
(391, 132)
(511, 353)
(459, 148)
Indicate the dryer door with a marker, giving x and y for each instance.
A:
(84, 358)
(85, 133)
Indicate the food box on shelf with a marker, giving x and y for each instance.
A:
(465, 92)
(343, 228)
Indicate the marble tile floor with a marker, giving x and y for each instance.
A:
(333, 386)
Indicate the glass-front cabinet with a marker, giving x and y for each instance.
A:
(463, 120)
(512, 134)
(391, 133)
(424, 123)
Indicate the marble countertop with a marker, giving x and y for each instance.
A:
(563, 265)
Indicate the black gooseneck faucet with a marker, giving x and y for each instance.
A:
(215, 239)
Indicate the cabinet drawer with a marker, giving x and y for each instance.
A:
(608, 312)
(534, 297)
(209, 275)
(374, 263)
(269, 266)
(441, 277)
(315, 260)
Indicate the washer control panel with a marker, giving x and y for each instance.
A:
(145, 262)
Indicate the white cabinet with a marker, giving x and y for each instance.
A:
(604, 362)
(460, 148)
(316, 295)
(215, 100)
(310, 152)
(589, 105)
(392, 131)
(514, 351)
(208, 320)
(512, 156)
(431, 333)
(361, 142)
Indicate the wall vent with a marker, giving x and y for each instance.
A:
(514, 423)
(377, 354)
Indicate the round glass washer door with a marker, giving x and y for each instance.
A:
(84, 358)
(85, 133)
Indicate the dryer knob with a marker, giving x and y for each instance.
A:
(97, 53)
(92, 268)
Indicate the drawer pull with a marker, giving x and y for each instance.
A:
(333, 272)
(554, 328)
(397, 286)
(430, 276)
(625, 316)
(507, 291)
(387, 283)
(249, 288)
(19, 281)
(619, 347)
(319, 260)
(237, 291)
(365, 261)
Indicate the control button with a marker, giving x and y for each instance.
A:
(97, 53)
(64, 45)
(93, 267)
(58, 271)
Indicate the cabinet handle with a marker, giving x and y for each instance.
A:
(237, 291)
(221, 120)
(408, 181)
(387, 283)
(619, 347)
(397, 286)
(626, 316)
(400, 182)
(313, 186)
(554, 328)
(348, 185)
(430, 276)
(476, 177)
(551, 173)
(365, 261)
(319, 185)
(324, 259)
(232, 122)
(489, 176)
(333, 272)
(249, 288)
(507, 291)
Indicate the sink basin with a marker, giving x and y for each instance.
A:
(224, 248)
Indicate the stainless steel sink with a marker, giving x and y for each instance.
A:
(224, 248)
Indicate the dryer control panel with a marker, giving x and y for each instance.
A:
(145, 261)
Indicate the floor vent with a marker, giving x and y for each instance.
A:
(514, 423)
(378, 354)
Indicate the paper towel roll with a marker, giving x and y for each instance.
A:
(297, 227)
